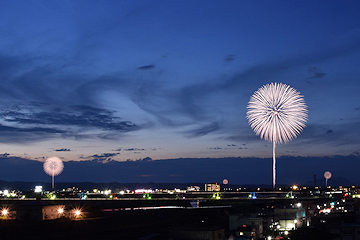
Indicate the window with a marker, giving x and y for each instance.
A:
(347, 232)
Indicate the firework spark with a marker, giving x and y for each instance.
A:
(53, 166)
(277, 113)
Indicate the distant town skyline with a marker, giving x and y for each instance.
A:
(238, 171)
(118, 80)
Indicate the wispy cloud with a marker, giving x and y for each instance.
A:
(315, 72)
(229, 58)
(331, 138)
(62, 150)
(81, 116)
(102, 158)
(134, 149)
(170, 107)
(203, 130)
(29, 134)
(32, 121)
(146, 67)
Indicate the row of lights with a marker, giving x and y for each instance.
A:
(76, 212)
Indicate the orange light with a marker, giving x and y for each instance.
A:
(4, 212)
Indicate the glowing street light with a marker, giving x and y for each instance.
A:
(4, 212)
(60, 210)
(77, 212)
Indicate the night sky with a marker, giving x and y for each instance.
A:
(148, 85)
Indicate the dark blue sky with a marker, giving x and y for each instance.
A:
(125, 80)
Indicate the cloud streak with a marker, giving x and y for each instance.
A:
(146, 67)
(62, 150)
(36, 121)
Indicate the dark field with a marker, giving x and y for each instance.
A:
(117, 225)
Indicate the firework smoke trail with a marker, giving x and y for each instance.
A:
(277, 113)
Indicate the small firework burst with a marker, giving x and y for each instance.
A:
(53, 166)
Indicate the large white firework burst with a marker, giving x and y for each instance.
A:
(53, 166)
(277, 113)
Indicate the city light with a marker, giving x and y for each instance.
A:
(147, 196)
(216, 196)
(252, 195)
(294, 218)
(51, 196)
(137, 191)
(107, 192)
(38, 189)
(282, 225)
